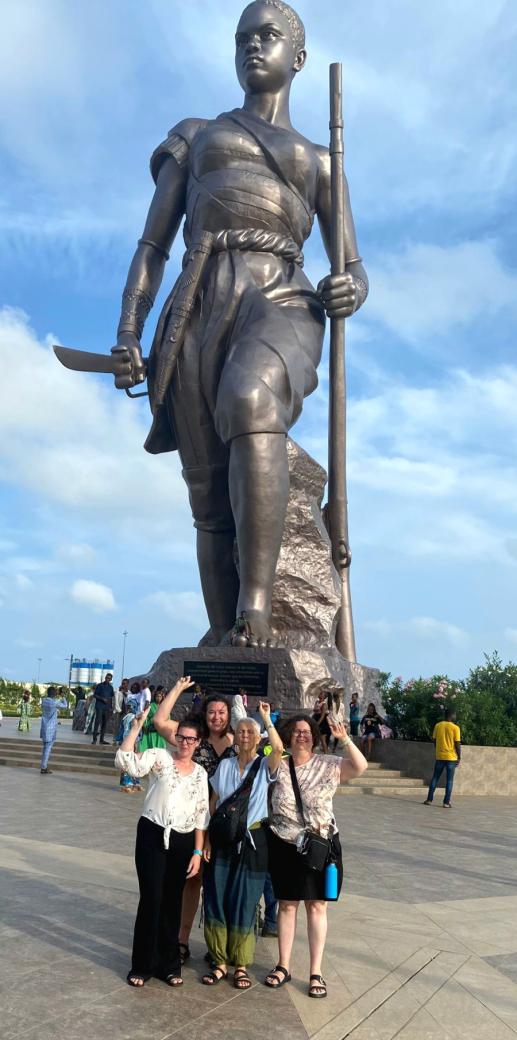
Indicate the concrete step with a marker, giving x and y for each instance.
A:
(77, 750)
(385, 781)
(29, 754)
(400, 789)
(71, 766)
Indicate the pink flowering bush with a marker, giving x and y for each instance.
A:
(485, 703)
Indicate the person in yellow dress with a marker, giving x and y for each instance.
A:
(447, 739)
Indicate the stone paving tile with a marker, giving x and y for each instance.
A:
(456, 1005)
(68, 895)
(506, 963)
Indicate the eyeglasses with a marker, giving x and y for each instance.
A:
(305, 733)
(185, 740)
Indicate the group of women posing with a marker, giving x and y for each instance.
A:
(201, 767)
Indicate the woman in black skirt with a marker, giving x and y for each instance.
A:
(318, 778)
(169, 842)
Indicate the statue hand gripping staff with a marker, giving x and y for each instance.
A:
(239, 339)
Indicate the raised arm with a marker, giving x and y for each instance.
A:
(164, 725)
(355, 763)
(342, 295)
(146, 270)
(274, 759)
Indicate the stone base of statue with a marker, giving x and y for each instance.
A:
(288, 678)
(306, 602)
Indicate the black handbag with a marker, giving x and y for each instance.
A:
(312, 846)
(229, 823)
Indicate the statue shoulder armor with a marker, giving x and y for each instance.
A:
(176, 145)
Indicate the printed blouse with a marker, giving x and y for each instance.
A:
(206, 755)
(174, 801)
(318, 780)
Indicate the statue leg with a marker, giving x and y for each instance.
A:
(219, 579)
(259, 490)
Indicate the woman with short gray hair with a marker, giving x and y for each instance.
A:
(237, 863)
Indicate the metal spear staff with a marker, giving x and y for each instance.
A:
(337, 496)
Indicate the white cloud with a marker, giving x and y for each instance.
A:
(431, 290)
(183, 607)
(80, 553)
(424, 628)
(94, 595)
(79, 444)
(22, 582)
(510, 634)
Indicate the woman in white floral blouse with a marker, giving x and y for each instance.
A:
(318, 778)
(169, 844)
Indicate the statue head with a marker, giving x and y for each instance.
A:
(269, 46)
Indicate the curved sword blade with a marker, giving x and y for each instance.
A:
(84, 360)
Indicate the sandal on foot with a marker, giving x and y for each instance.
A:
(277, 982)
(213, 978)
(241, 979)
(173, 980)
(136, 980)
(184, 952)
(318, 988)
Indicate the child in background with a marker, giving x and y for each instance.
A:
(127, 782)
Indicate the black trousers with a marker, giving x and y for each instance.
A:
(161, 877)
(101, 718)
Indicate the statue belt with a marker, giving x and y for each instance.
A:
(178, 308)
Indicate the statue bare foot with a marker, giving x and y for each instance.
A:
(252, 628)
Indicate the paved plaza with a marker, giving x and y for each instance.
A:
(422, 945)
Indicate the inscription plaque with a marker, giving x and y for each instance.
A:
(228, 677)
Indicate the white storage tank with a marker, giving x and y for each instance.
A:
(96, 674)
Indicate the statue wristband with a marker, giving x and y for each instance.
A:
(136, 304)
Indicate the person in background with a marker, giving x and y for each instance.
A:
(145, 694)
(447, 740)
(48, 729)
(119, 699)
(103, 695)
(197, 699)
(129, 783)
(355, 715)
(150, 738)
(90, 713)
(318, 778)
(235, 875)
(335, 716)
(370, 729)
(1, 717)
(244, 696)
(238, 711)
(24, 708)
(169, 842)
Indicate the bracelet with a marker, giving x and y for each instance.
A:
(197, 852)
(347, 742)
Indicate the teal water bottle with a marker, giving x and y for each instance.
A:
(331, 881)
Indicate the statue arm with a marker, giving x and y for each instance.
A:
(342, 294)
(146, 270)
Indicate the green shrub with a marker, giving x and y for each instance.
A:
(485, 703)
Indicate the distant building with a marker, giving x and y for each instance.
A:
(88, 673)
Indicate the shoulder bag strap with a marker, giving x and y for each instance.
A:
(296, 789)
(245, 787)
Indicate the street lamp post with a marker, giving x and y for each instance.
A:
(39, 669)
(123, 653)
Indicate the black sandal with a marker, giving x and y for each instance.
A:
(213, 979)
(133, 976)
(319, 985)
(241, 979)
(184, 952)
(173, 980)
(278, 982)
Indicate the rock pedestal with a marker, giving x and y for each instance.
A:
(294, 677)
(306, 602)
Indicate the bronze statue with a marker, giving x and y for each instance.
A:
(239, 339)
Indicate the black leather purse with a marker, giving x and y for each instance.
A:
(315, 849)
(228, 824)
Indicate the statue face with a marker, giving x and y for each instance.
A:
(265, 56)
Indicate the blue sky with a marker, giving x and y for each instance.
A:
(95, 535)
